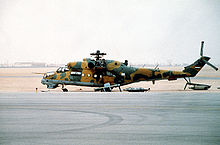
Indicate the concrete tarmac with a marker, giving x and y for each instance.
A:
(110, 118)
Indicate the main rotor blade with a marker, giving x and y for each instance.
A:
(38, 73)
(210, 64)
(202, 44)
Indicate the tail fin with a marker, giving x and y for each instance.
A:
(194, 68)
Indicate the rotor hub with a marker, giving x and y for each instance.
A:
(98, 55)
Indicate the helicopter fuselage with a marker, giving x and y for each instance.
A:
(111, 73)
(96, 73)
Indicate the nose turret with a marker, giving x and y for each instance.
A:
(47, 76)
(43, 81)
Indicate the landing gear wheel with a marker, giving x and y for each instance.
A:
(65, 89)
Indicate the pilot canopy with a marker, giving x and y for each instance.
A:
(62, 69)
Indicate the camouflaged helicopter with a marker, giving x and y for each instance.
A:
(107, 74)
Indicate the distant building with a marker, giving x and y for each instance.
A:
(54, 65)
(29, 64)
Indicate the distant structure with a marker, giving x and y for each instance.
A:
(29, 64)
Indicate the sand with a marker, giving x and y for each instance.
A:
(26, 80)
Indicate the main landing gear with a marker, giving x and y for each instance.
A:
(64, 89)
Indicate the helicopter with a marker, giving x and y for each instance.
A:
(108, 74)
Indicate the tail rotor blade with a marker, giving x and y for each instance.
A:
(214, 67)
(202, 44)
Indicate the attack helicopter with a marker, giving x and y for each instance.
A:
(108, 74)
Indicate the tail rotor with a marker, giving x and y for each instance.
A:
(195, 67)
(203, 58)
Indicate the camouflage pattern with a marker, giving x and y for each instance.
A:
(96, 73)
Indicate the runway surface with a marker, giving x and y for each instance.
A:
(110, 118)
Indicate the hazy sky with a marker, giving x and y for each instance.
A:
(142, 31)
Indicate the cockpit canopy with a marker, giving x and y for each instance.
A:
(48, 74)
(62, 69)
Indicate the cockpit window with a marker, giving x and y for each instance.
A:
(48, 74)
(74, 73)
(62, 69)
